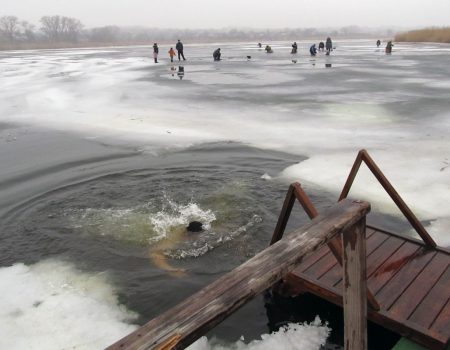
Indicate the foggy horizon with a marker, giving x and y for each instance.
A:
(200, 14)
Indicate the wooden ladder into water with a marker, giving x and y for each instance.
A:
(408, 280)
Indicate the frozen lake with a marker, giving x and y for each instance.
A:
(105, 154)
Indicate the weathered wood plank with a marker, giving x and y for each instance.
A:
(390, 267)
(440, 325)
(397, 285)
(196, 315)
(434, 302)
(411, 330)
(373, 240)
(355, 287)
(420, 287)
(380, 255)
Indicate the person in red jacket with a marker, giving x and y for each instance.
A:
(172, 54)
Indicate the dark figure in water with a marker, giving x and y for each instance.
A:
(179, 47)
(268, 49)
(389, 47)
(155, 52)
(328, 45)
(217, 54)
(195, 226)
(378, 43)
(322, 46)
(259, 45)
(173, 238)
(313, 50)
(294, 48)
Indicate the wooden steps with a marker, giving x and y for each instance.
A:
(411, 283)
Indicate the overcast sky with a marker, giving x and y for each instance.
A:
(238, 13)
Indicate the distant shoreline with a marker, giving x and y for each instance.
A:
(426, 35)
(87, 45)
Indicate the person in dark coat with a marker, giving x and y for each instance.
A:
(155, 52)
(217, 54)
(378, 43)
(322, 46)
(389, 47)
(179, 48)
(294, 48)
(328, 45)
(313, 50)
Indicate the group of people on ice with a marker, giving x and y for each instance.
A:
(179, 47)
(324, 47)
(328, 46)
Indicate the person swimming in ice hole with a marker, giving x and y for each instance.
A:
(157, 252)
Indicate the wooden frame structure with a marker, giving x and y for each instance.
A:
(408, 279)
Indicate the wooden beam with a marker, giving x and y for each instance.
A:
(355, 287)
(192, 318)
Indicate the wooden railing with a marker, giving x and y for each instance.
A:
(363, 156)
(295, 191)
(192, 318)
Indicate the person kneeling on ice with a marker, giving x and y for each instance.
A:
(217, 54)
(321, 46)
(268, 49)
(389, 47)
(313, 50)
(158, 251)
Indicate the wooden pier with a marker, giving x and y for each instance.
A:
(410, 282)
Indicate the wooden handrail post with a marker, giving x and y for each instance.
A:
(284, 215)
(355, 287)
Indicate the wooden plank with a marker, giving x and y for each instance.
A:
(391, 266)
(334, 275)
(419, 288)
(355, 287)
(380, 255)
(322, 266)
(421, 335)
(408, 238)
(433, 303)
(311, 260)
(389, 294)
(196, 315)
(431, 340)
(441, 325)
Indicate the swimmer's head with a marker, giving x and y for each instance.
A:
(195, 226)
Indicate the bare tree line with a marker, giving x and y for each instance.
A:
(67, 31)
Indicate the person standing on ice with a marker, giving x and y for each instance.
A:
(180, 49)
(155, 52)
(378, 43)
(328, 45)
(172, 54)
(389, 47)
(294, 48)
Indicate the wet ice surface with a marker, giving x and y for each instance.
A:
(116, 145)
